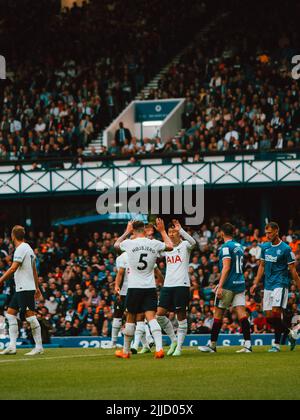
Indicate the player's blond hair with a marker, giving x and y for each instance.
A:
(19, 233)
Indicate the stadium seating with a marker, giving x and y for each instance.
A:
(55, 102)
(239, 94)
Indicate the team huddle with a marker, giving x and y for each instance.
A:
(136, 287)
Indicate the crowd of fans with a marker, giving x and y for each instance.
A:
(72, 73)
(77, 273)
(90, 62)
(239, 89)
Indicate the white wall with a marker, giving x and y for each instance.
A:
(170, 127)
(173, 123)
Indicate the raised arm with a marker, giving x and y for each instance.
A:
(127, 232)
(160, 227)
(184, 234)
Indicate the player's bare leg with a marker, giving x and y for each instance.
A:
(182, 332)
(36, 333)
(246, 328)
(212, 345)
(12, 320)
(156, 333)
(167, 326)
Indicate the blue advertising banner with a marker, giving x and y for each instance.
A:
(105, 343)
(154, 111)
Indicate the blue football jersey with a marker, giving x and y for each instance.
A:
(264, 246)
(235, 252)
(277, 259)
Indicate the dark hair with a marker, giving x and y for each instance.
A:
(138, 226)
(19, 233)
(171, 226)
(228, 229)
(273, 226)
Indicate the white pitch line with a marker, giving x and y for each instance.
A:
(41, 358)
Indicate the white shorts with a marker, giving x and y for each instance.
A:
(277, 298)
(237, 299)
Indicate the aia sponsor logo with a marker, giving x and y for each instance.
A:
(174, 260)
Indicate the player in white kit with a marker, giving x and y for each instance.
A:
(121, 288)
(142, 297)
(142, 332)
(175, 295)
(27, 292)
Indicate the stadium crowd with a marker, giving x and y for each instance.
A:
(89, 63)
(240, 95)
(238, 87)
(77, 273)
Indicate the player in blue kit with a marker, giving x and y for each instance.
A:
(231, 290)
(277, 262)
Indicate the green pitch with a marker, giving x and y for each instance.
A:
(97, 374)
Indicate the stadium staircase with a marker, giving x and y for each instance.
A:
(95, 145)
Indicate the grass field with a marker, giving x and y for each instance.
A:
(97, 374)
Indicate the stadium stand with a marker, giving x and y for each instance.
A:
(77, 272)
(60, 98)
(239, 94)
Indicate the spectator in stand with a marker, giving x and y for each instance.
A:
(295, 244)
(260, 324)
(122, 134)
(255, 250)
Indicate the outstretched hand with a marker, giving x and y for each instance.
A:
(129, 229)
(160, 225)
(177, 225)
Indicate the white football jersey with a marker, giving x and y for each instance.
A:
(178, 262)
(24, 278)
(122, 262)
(142, 255)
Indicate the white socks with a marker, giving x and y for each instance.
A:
(182, 333)
(157, 334)
(139, 335)
(13, 330)
(36, 331)
(248, 344)
(116, 328)
(128, 337)
(167, 326)
(149, 337)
